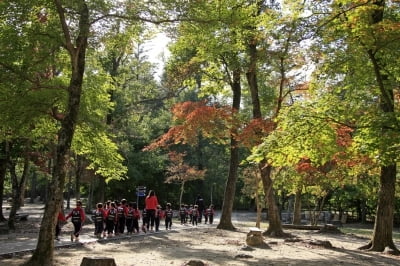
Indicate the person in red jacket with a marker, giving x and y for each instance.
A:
(195, 215)
(122, 211)
(136, 218)
(60, 220)
(78, 219)
(111, 219)
(151, 203)
(131, 219)
(99, 216)
(210, 214)
(158, 216)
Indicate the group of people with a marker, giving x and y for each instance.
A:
(192, 214)
(112, 218)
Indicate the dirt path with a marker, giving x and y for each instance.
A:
(209, 245)
(219, 247)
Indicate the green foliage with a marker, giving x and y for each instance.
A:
(301, 133)
(363, 73)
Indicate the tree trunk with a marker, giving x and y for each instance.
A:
(230, 187)
(44, 253)
(17, 190)
(383, 228)
(78, 176)
(101, 190)
(297, 207)
(89, 202)
(275, 224)
(4, 157)
(69, 192)
(33, 191)
(22, 184)
(181, 194)
(363, 211)
(259, 211)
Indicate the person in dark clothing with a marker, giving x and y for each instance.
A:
(121, 215)
(182, 214)
(200, 207)
(99, 216)
(111, 219)
(145, 221)
(168, 216)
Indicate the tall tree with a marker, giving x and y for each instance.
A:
(366, 37)
(275, 47)
(212, 67)
(230, 187)
(275, 227)
(76, 46)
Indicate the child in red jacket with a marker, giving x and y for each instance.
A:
(111, 219)
(132, 218)
(157, 217)
(60, 221)
(99, 216)
(78, 219)
(168, 216)
(210, 214)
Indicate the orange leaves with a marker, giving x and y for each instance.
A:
(173, 136)
(344, 138)
(179, 171)
(305, 166)
(201, 114)
(181, 110)
(253, 133)
(195, 119)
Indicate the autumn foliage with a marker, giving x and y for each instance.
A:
(179, 171)
(343, 158)
(193, 119)
(344, 138)
(252, 134)
(304, 165)
(215, 122)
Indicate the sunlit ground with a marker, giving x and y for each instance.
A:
(361, 230)
(366, 232)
